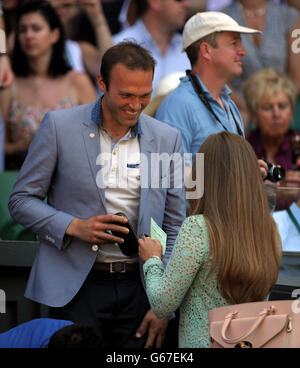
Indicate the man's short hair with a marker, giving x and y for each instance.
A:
(193, 50)
(76, 336)
(129, 53)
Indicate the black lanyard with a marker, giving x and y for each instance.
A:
(198, 89)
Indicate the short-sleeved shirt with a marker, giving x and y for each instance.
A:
(184, 110)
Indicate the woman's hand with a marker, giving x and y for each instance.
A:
(263, 167)
(148, 248)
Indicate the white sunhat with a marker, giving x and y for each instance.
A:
(203, 24)
(168, 83)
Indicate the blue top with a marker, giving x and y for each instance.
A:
(32, 334)
(184, 110)
(173, 60)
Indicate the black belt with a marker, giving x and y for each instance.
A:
(116, 267)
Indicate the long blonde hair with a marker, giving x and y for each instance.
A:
(244, 241)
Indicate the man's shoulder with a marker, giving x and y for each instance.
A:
(181, 99)
(75, 112)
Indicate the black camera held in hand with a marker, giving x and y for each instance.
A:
(274, 173)
(130, 245)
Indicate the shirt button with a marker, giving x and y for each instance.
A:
(114, 152)
(95, 248)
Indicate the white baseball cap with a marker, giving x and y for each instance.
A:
(203, 24)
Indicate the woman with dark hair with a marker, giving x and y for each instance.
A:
(226, 252)
(43, 79)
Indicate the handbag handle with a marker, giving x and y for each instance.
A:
(258, 321)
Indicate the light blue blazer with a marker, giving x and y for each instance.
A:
(61, 168)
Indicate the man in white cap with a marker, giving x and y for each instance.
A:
(201, 104)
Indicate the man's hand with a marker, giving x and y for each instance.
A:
(94, 229)
(156, 329)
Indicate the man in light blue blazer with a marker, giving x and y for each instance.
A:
(90, 162)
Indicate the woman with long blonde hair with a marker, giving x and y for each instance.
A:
(227, 250)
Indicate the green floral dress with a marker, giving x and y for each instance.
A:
(184, 284)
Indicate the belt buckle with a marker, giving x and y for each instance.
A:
(111, 268)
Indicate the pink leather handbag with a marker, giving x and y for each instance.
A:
(273, 324)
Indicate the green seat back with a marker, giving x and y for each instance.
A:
(9, 229)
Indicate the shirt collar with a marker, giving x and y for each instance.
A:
(226, 91)
(147, 37)
(141, 29)
(96, 116)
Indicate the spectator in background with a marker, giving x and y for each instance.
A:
(212, 42)
(51, 333)
(293, 3)
(83, 55)
(128, 14)
(43, 79)
(270, 49)
(6, 78)
(10, 8)
(32, 334)
(270, 98)
(6, 74)
(213, 5)
(157, 31)
(226, 252)
(112, 10)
